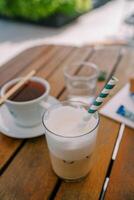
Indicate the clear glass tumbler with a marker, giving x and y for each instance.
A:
(81, 79)
(71, 156)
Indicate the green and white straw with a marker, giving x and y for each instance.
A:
(99, 100)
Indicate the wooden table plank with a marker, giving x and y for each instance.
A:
(91, 188)
(106, 59)
(10, 185)
(74, 56)
(108, 132)
(121, 185)
(125, 68)
(44, 60)
(54, 64)
(30, 175)
(125, 188)
(22, 55)
(57, 79)
(101, 58)
(10, 146)
(9, 71)
(110, 54)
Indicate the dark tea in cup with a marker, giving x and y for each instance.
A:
(28, 92)
(28, 104)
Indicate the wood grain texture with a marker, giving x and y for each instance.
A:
(125, 68)
(22, 55)
(43, 60)
(16, 194)
(121, 185)
(91, 188)
(8, 145)
(105, 59)
(57, 79)
(108, 132)
(30, 175)
(22, 61)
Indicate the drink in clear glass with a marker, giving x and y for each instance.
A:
(81, 80)
(71, 147)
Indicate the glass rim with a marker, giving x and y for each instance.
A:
(90, 64)
(53, 133)
(37, 79)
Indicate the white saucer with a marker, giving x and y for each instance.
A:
(9, 128)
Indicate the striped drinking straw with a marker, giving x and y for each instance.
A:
(99, 100)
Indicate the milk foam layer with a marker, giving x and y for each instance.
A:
(61, 121)
(65, 120)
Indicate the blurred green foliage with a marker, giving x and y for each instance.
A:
(38, 9)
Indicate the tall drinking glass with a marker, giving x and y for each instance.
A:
(71, 155)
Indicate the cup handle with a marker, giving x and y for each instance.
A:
(45, 104)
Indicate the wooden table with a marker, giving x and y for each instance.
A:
(24, 164)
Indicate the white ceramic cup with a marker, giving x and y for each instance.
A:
(28, 113)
